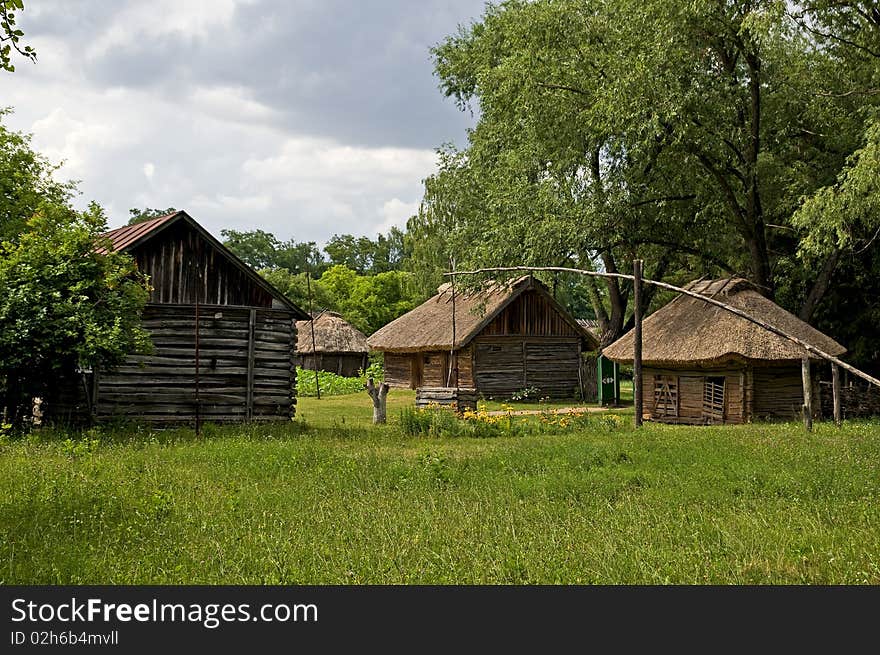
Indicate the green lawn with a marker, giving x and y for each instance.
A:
(329, 499)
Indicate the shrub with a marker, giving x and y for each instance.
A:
(335, 385)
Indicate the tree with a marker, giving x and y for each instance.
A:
(295, 286)
(63, 306)
(365, 256)
(681, 133)
(26, 182)
(143, 215)
(10, 35)
(263, 250)
(369, 301)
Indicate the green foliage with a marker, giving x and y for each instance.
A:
(263, 250)
(369, 301)
(846, 215)
(10, 35)
(365, 256)
(686, 134)
(332, 384)
(62, 305)
(296, 287)
(26, 182)
(283, 504)
(143, 215)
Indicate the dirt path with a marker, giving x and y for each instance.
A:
(558, 410)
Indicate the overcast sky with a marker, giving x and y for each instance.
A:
(304, 118)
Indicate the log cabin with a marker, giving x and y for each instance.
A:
(223, 337)
(507, 338)
(704, 365)
(339, 347)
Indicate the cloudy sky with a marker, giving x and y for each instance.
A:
(304, 118)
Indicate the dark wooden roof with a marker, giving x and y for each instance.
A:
(130, 237)
(123, 238)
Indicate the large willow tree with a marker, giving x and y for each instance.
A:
(687, 134)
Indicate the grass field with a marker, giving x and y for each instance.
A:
(329, 499)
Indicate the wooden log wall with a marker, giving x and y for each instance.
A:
(183, 266)
(504, 365)
(465, 359)
(459, 399)
(435, 368)
(246, 368)
(689, 390)
(779, 392)
(345, 364)
(398, 370)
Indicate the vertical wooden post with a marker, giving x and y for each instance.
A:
(198, 287)
(637, 345)
(312, 326)
(251, 360)
(835, 390)
(808, 393)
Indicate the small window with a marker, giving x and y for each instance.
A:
(665, 396)
(427, 359)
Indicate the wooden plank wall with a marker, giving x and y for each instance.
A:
(182, 265)
(529, 314)
(690, 394)
(345, 364)
(246, 368)
(398, 371)
(779, 392)
(504, 365)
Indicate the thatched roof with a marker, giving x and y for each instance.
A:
(429, 326)
(689, 331)
(333, 334)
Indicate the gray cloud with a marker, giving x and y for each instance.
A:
(305, 118)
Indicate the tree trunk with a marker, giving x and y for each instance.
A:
(820, 286)
(379, 395)
(618, 302)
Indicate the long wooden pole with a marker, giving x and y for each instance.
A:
(693, 294)
(637, 342)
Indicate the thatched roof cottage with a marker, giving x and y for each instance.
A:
(702, 364)
(508, 337)
(339, 347)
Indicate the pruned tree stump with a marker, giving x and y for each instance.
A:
(379, 395)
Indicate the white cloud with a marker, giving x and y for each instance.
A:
(201, 134)
(395, 213)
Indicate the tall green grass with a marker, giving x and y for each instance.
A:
(329, 499)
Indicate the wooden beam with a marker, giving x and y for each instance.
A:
(808, 393)
(251, 359)
(637, 344)
(835, 390)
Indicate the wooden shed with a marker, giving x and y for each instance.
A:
(702, 364)
(223, 337)
(339, 347)
(508, 337)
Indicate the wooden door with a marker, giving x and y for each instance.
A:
(415, 364)
(713, 400)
